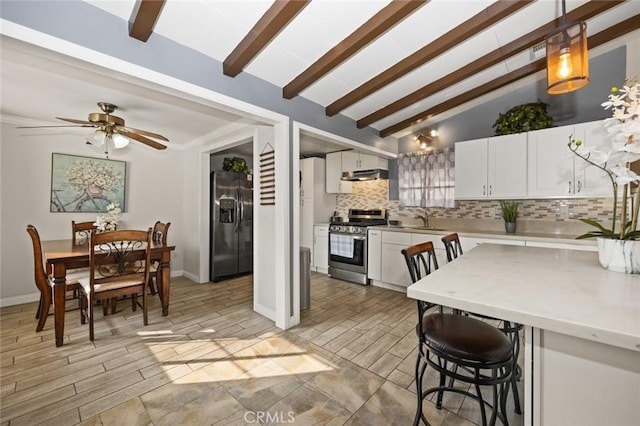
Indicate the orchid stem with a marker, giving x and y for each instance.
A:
(613, 184)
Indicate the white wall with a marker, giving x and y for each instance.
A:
(155, 191)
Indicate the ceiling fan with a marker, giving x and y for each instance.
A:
(111, 129)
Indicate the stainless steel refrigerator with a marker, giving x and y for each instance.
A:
(231, 242)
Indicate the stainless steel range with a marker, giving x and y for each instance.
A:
(348, 244)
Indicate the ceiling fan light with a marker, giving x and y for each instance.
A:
(97, 138)
(119, 141)
(567, 60)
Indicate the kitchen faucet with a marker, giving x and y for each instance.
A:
(425, 219)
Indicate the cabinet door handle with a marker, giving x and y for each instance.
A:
(484, 187)
(569, 191)
(490, 189)
(579, 186)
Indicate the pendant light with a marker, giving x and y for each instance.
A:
(567, 61)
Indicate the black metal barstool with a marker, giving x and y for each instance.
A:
(511, 330)
(448, 341)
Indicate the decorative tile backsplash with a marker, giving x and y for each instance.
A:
(374, 194)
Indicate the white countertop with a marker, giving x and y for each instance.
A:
(566, 291)
(521, 236)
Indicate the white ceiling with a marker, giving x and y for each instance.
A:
(217, 26)
(36, 89)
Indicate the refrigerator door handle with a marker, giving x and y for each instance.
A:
(237, 212)
(241, 209)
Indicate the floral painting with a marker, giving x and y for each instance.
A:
(84, 184)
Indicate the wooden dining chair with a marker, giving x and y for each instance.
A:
(43, 280)
(80, 231)
(160, 231)
(118, 266)
(159, 236)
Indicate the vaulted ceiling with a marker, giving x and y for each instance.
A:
(392, 65)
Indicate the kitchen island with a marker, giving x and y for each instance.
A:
(582, 326)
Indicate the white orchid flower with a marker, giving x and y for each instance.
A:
(614, 101)
(624, 175)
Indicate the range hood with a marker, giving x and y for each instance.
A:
(359, 175)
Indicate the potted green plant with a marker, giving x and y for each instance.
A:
(509, 212)
(522, 118)
(235, 164)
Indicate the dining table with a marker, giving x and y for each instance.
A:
(63, 255)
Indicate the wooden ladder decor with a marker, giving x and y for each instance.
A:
(268, 176)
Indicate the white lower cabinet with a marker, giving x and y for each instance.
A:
(321, 248)
(374, 254)
(438, 246)
(394, 268)
(566, 365)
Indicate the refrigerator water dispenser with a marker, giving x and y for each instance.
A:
(227, 210)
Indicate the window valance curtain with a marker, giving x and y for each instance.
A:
(427, 179)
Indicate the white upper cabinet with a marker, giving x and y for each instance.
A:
(590, 180)
(356, 160)
(307, 182)
(471, 169)
(554, 171)
(493, 168)
(334, 172)
(507, 168)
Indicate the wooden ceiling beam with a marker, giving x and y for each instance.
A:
(611, 33)
(536, 36)
(380, 23)
(263, 32)
(462, 32)
(144, 17)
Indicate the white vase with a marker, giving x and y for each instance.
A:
(619, 255)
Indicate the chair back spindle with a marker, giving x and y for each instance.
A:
(160, 231)
(452, 246)
(421, 261)
(80, 231)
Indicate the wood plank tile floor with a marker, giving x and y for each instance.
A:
(213, 361)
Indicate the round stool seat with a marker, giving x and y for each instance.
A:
(465, 338)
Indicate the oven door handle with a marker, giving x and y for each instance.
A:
(355, 237)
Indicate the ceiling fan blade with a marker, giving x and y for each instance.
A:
(84, 122)
(145, 133)
(140, 138)
(43, 127)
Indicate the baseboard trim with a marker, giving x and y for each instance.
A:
(264, 311)
(193, 277)
(19, 300)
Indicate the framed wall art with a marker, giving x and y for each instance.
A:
(86, 184)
